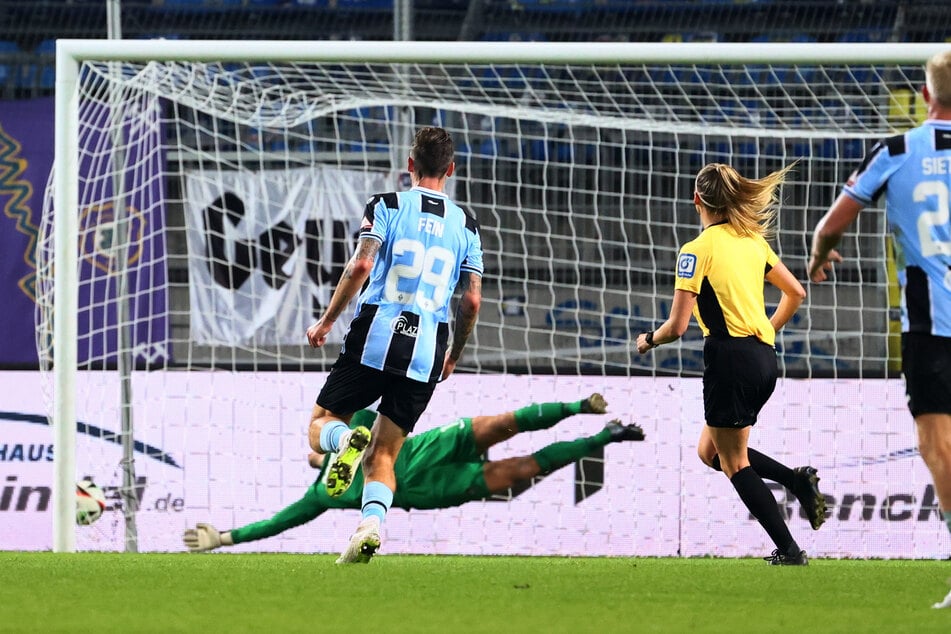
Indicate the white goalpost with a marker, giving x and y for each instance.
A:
(204, 200)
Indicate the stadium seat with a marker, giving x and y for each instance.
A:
(863, 35)
(194, 4)
(365, 129)
(553, 5)
(697, 75)
(691, 36)
(46, 47)
(851, 150)
(859, 75)
(781, 75)
(9, 62)
(726, 110)
(575, 6)
(202, 5)
(45, 73)
(365, 4)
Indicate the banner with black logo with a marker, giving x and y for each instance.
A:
(266, 249)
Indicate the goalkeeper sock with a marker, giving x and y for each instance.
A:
(559, 454)
(377, 499)
(765, 467)
(330, 435)
(544, 415)
(761, 503)
(947, 519)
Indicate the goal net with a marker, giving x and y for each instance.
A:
(206, 198)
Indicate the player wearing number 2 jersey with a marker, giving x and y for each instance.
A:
(401, 324)
(913, 170)
(415, 247)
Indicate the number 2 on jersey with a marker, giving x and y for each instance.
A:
(930, 219)
(426, 268)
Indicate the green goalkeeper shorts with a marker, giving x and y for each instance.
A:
(440, 468)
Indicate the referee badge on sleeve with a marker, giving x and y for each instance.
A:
(686, 265)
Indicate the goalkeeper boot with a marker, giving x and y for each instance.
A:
(806, 490)
(594, 404)
(201, 538)
(363, 544)
(798, 558)
(621, 433)
(945, 603)
(340, 472)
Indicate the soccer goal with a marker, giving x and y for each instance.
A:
(205, 199)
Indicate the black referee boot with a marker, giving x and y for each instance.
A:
(785, 559)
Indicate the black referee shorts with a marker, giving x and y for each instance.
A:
(926, 365)
(739, 375)
(352, 386)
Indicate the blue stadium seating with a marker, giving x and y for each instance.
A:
(365, 4)
(196, 4)
(864, 35)
(202, 5)
(689, 74)
(556, 6)
(46, 47)
(860, 75)
(44, 72)
(781, 75)
(9, 51)
(349, 5)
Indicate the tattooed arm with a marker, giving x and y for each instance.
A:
(466, 314)
(354, 276)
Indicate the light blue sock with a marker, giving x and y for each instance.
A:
(947, 519)
(330, 435)
(377, 499)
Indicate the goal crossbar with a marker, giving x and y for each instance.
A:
(495, 53)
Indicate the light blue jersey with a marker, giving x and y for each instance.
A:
(914, 172)
(402, 320)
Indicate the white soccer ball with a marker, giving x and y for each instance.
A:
(90, 502)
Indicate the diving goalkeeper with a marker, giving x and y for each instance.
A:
(440, 468)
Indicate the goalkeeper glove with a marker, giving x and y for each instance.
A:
(201, 538)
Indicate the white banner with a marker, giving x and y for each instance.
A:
(266, 248)
(230, 448)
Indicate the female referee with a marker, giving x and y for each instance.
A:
(720, 280)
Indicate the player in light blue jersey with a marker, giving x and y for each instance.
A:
(415, 248)
(401, 324)
(913, 170)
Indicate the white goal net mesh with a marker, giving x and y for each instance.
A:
(218, 204)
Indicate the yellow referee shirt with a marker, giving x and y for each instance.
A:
(726, 271)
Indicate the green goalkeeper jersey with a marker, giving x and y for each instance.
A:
(439, 468)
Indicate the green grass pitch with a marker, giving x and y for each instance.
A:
(113, 592)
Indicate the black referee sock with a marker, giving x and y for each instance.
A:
(761, 503)
(765, 467)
